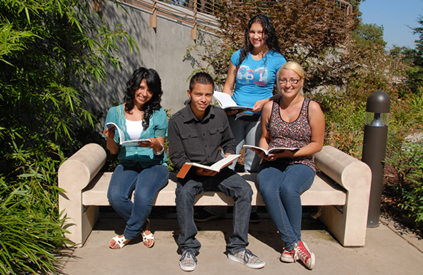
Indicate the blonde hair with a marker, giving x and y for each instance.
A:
(296, 68)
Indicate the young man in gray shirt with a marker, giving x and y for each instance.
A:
(197, 133)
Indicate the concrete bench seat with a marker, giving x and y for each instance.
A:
(341, 190)
(329, 192)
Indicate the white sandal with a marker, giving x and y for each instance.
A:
(146, 238)
(121, 241)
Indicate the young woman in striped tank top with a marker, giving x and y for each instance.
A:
(290, 120)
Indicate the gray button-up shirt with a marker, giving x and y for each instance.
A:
(192, 140)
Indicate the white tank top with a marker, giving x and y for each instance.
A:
(134, 128)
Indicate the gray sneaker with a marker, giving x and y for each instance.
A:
(188, 262)
(248, 258)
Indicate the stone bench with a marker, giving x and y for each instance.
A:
(341, 190)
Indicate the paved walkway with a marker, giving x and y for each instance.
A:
(386, 251)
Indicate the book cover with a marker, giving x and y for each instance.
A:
(122, 141)
(273, 150)
(226, 102)
(217, 166)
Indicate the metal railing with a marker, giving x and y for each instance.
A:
(192, 13)
(344, 5)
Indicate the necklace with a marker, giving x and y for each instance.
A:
(290, 113)
(294, 108)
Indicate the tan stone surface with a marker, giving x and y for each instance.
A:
(385, 252)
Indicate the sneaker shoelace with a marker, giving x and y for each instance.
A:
(289, 253)
(248, 254)
(188, 254)
(301, 253)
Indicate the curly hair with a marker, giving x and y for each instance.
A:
(271, 40)
(155, 87)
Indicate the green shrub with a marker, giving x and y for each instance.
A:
(29, 240)
(412, 203)
(408, 183)
(344, 122)
(31, 234)
(48, 51)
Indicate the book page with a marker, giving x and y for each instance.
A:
(224, 162)
(271, 150)
(134, 143)
(215, 167)
(120, 133)
(122, 141)
(226, 102)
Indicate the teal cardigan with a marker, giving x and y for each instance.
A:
(130, 156)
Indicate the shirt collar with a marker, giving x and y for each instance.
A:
(189, 114)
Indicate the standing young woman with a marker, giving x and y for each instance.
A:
(251, 77)
(293, 121)
(142, 171)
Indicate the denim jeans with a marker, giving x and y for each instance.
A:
(248, 132)
(281, 187)
(231, 184)
(145, 183)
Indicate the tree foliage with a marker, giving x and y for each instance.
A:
(369, 34)
(343, 58)
(355, 3)
(48, 51)
(415, 71)
(314, 33)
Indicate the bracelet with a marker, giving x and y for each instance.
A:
(160, 152)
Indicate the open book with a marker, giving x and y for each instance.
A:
(217, 166)
(227, 103)
(122, 141)
(272, 150)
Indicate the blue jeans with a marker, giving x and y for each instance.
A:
(231, 184)
(281, 187)
(145, 183)
(248, 132)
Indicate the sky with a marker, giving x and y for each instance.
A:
(394, 16)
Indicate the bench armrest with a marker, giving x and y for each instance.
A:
(344, 169)
(347, 224)
(76, 172)
(73, 176)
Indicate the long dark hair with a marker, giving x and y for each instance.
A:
(270, 38)
(154, 85)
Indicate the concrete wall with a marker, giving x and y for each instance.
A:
(162, 49)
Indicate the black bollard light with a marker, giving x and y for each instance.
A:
(374, 149)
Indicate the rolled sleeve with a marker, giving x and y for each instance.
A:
(160, 124)
(228, 143)
(176, 149)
